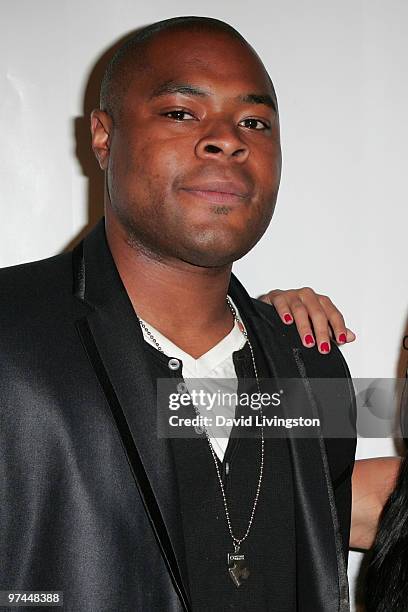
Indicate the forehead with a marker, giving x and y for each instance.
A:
(203, 57)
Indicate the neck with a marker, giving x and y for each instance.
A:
(186, 303)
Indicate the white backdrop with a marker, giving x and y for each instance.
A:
(340, 73)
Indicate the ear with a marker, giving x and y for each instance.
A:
(101, 130)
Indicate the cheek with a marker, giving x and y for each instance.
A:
(130, 174)
(151, 164)
(268, 174)
(270, 165)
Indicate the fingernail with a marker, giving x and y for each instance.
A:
(324, 347)
(342, 338)
(309, 339)
(287, 318)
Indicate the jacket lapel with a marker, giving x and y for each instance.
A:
(113, 340)
(321, 569)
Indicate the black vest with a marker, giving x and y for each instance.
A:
(270, 546)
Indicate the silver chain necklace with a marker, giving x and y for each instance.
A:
(236, 561)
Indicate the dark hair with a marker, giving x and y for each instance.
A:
(387, 576)
(131, 56)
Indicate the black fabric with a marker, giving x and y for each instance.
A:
(77, 512)
(147, 494)
(270, 545)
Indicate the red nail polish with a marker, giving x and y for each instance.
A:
(287, 318)
(342, 338)
(309, 339)
(324, 347)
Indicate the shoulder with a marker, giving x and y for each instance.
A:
(318, 365)
(28, 288)
(334, 396)
(34, 270)
(29, 274)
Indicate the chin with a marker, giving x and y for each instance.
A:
(214, 253)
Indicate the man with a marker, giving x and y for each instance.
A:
(94, 503)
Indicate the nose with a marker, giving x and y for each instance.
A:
(222, 142)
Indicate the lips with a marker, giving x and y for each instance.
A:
(220, 190)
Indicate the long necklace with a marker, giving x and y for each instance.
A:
(237, 567)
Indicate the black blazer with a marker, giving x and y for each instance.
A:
(88, 502)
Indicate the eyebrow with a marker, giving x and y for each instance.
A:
(253, 98)
(171, 87)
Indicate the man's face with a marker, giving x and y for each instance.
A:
(194, 162)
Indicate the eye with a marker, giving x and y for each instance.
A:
(255, 124)
(178, 115)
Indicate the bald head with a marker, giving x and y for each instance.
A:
(131, 59)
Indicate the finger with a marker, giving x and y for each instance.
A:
(318, 319)
(335, 319)
(265, 298)
(351, 336)
(301, 316)
(342, 333)
(279, 301)
(321, 328)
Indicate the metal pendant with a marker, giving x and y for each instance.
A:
(236, 567)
